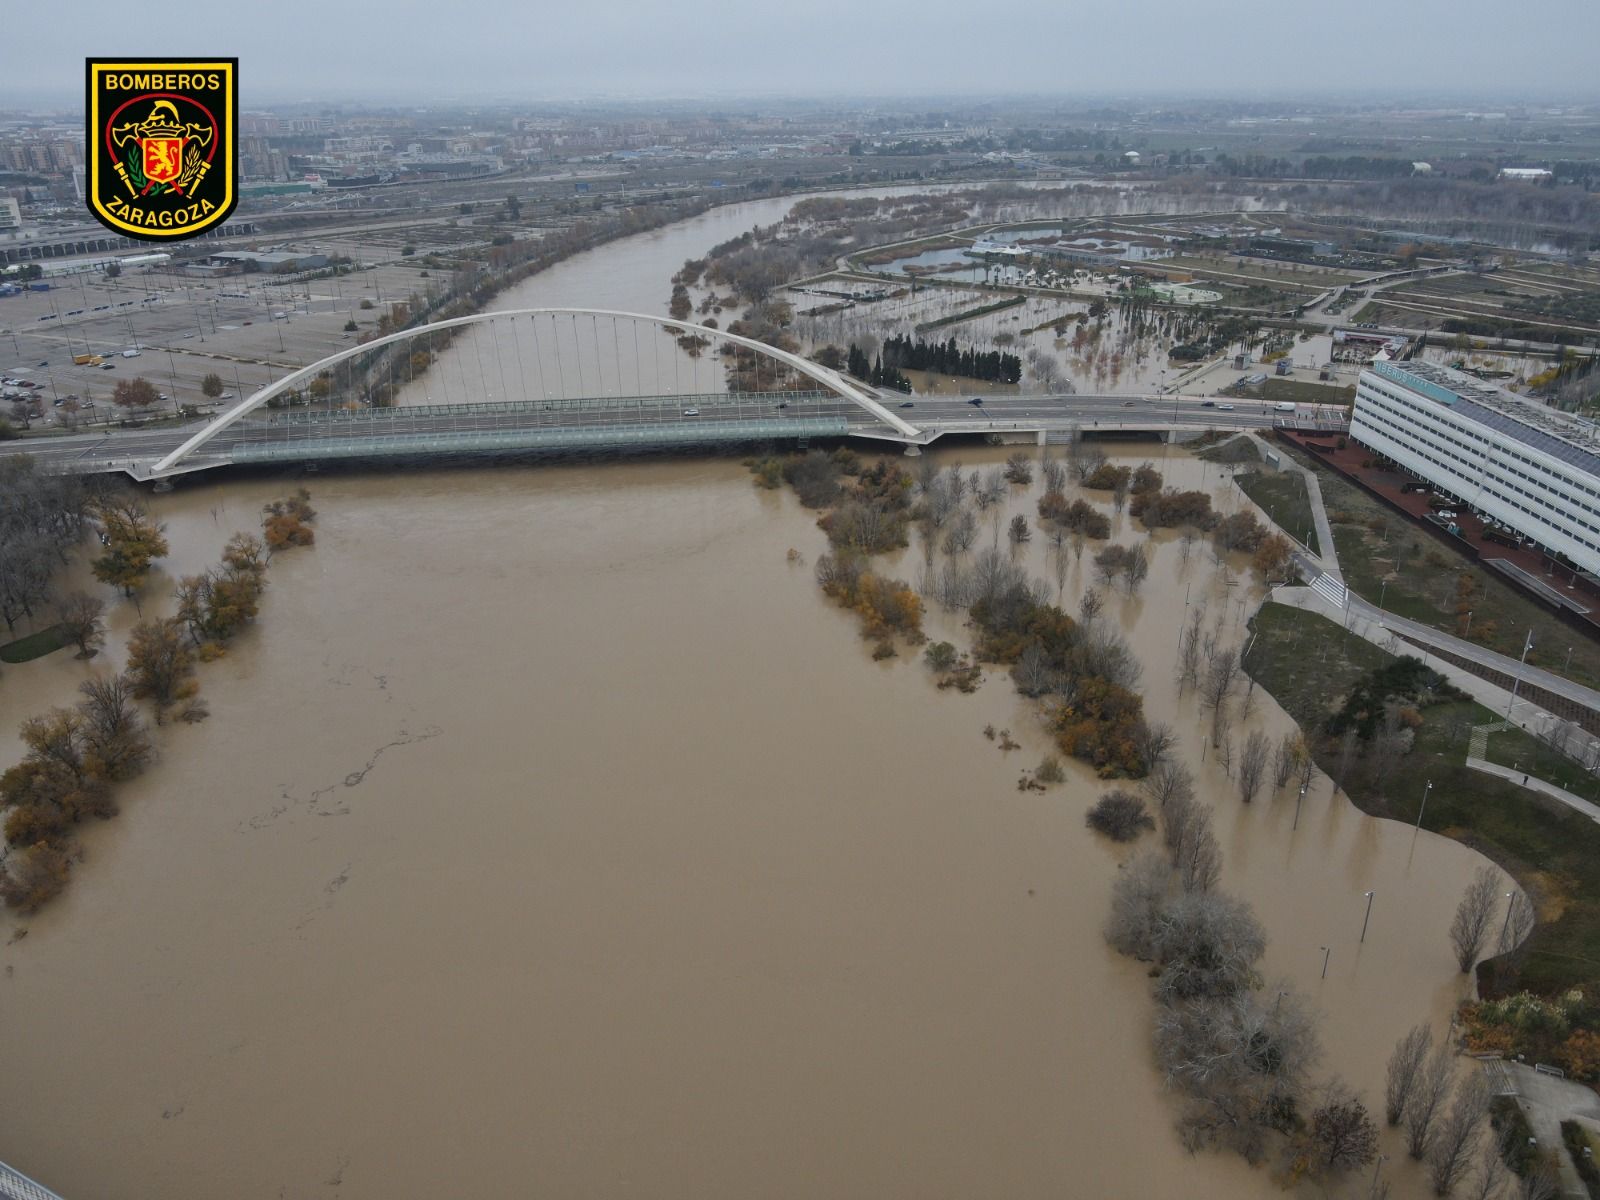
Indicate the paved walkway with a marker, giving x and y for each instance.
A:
(1523, 779)
(1580, 745)
(1546, 1101)
(1328, 555)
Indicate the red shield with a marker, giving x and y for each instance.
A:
(163, 158)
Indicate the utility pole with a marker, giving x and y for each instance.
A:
(1368, 917)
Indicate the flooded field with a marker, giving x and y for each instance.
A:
(552, 825)
(551, 830)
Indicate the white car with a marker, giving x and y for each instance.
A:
(691, 412)
(1225, 407)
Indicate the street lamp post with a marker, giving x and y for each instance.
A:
(1467, 632)
(1376, 1167)
(1422, 809)
(1368, 917)
(1516, 681)
(1327, 952)
(1507, 924)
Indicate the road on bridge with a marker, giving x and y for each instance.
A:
(134, 450)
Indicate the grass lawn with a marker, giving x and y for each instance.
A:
(1309, 663)
(1282, 496)
(1425, 582)
(35, 645)
(1520, 749)
(1298, 391)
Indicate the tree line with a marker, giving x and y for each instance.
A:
(75, 757)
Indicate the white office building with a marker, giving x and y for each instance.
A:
(1528, 467)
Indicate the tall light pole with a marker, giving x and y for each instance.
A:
(1376, 1167)
(1327, 952)
(1516, 681)
(1507, 925)
(1368, 917)
(1421, 810)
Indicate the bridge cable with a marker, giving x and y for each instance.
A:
(638, 367)
(505, 392)
(516, 345)
(561, 370)
(538, 359)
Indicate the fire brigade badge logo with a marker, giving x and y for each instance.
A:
(161, 160)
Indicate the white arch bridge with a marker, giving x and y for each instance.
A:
(629, 392)
(578, 378)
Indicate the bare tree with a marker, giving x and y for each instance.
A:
(1456, 1141)
(1138, 897)
(1473, 914)
(1168, 781)
(1153, 741)
(1208, 945)
(1189, 648)
(1252, 765)
(1342, 1135)
(1427, 1097)
(1034, 673)
(1285, 759)
(1215, 687)
(1242, 1064)
(79, 614)
(1196, 853)
(1090, 606)
(1405, 1064)
(1492, 1177)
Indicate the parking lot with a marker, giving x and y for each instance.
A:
(247, 329)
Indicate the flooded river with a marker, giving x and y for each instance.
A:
(553, 835)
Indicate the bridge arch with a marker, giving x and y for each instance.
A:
(830, 379)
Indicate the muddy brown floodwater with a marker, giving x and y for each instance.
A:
(553, 835)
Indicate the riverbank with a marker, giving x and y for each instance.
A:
(1308, 662)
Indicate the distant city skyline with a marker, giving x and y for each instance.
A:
(626, 50)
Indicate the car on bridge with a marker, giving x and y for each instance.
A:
(1225, 407)
(691, 412)
(1208, 404)
(907, 404)
(976, 400)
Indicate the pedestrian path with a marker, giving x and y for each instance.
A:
(1533, 784)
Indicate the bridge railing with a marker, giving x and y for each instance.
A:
(576, 404)
(14, 1185)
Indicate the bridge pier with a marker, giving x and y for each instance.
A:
(1040, 440)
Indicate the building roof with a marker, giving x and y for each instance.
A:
(1571, 439)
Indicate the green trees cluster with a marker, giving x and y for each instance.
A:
(946, 358)
(72, 757)
(133, 540)
(287, 522)
(215, 604)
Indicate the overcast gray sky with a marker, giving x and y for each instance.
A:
(444, 49)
